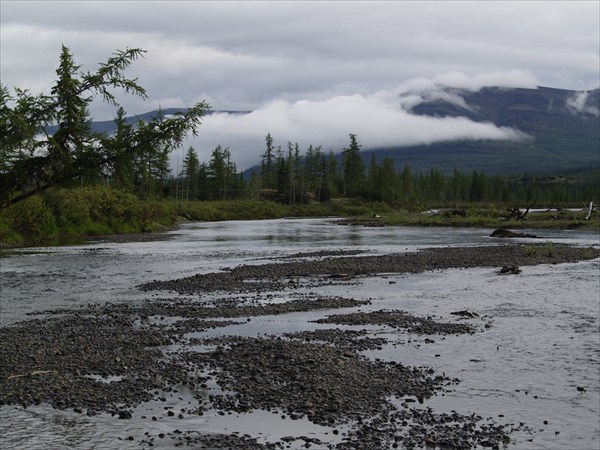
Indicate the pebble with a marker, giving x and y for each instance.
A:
(318, 375)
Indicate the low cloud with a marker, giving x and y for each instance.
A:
(448, 86)
(578, 103)
(382, 119)
(458, 80)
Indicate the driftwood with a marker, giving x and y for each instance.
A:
(35, 372)
(516, 213)
(589, 214)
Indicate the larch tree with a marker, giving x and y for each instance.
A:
(354, 169)
(34, 158)
(191, 166)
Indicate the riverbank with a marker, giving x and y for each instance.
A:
(117, 359)
(66, 216)
(472, 216)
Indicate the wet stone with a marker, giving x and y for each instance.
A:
(112, 358)
(354, 339)
(301, 375)
(276, 276)
(399, 319)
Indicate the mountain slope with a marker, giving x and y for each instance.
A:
(564, 126)
(108, 126)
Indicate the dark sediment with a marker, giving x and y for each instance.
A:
(274, 276)
(323, 253)
(354, 339)
(62, 361)
(197, 440)
(399, 319)
(111, 358)
(230, 308)
(326, 384)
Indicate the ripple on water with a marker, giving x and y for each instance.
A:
(541, 345)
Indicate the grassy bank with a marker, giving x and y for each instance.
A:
(64, 215)
(70, 214)
(489, 217)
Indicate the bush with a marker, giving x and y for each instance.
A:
(30, 219)
(67, 213)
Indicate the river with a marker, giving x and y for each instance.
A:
(538, 363)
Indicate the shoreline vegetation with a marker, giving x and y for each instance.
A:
(63, 216)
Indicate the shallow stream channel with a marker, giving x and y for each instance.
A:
(274, 334)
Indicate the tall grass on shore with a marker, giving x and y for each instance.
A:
(70, 213)
(484, 217)
(67, 214)
(264, 209)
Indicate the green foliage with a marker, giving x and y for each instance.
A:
(354, 169)
(530, 250)
(249, 209)
(267, 164)
(190, 174)
(34, 160)
(64, 213)
(230, 210)
(30, 219)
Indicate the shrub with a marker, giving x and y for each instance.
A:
(31, 219)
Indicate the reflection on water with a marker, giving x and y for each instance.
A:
(541, 343)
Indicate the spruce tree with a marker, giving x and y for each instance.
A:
(354, 169)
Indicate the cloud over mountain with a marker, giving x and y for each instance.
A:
(381, 119)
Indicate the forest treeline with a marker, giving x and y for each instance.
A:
(292, 176)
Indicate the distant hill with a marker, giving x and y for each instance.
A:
(108, 126)
(565, 126)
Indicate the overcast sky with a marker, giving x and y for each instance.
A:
(311, 72)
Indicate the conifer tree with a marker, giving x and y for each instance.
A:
(35, 158)
(268, 163)
(191, 165)
(354, 169)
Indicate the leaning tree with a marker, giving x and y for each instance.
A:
(46, 140)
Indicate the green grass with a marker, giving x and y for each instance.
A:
(474, 217)
(67, 214)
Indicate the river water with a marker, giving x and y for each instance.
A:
(543, 343)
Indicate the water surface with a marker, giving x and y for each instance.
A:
(541, 344)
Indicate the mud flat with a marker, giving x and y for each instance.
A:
(115, 359)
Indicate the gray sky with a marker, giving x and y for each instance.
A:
(312, 72)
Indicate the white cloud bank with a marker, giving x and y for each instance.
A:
(382, 119)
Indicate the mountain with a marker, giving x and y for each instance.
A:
(108, 126)
(564, 127)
